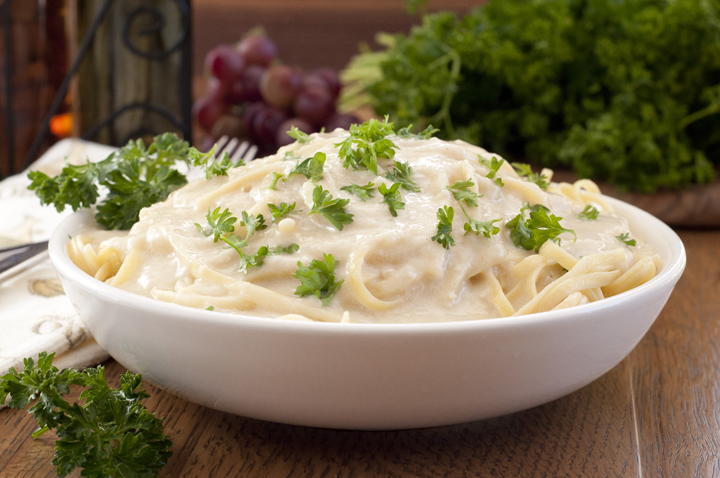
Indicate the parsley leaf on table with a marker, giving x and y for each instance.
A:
(363, 192)
(444, 236)
(533, 232)
(392, 197)
(112, 434)
(332, 209)
(318, 279)
(485, 228)
(625, 238)
(461, 192)
(135, 177)
(589, 213)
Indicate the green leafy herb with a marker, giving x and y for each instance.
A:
(363, 192)
(210, 165)
(275, 177)
(222, 227)
(298, 135)
(589, 213)
(427, 133)
(524, 170)
(485, 228)
(392, 197)
(111, 434)
(533, 232)
(367, 142)
(402, 174)
(311, 168)
(135, 177)
(210, 308)
(289, 155)
(444, 227)
(332, 209)
(280, 211)
(257, 259)
(252, 223)
(494, 166)
(274, 251)
(625, 238)
(461, 192)
(318, 279)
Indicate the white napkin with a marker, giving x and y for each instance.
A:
(35, 315)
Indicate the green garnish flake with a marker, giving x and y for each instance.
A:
(494, 166)
(625, 238)
(461, 192)
(363, 192)
(111, 434)
(332, 209)
(485, 228)
(222, 228)
(392, 197)
(525, 171)
(444, 236)
(427, 133)
(533, 232)
(257, 259)
(366, 144)
(208, 162)
(298, 135)
(275, 177)
(589, 213)
(280, 211)
(311, 168)
(318, 279)
(210, 308)
(289, 155)
(135, 177)
(401, 173)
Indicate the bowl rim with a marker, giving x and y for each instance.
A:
(668, 276)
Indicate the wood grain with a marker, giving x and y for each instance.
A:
(654, 415)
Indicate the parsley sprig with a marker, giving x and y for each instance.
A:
(485, 228)
(461, 192)
(401, 173)
(311, 168)
(589, 213)
(332, 209)
(298, 135)
(392, 197)
(533, 232)
(318, 279)
(444, 235)
(625, 238)
(111, 434)
(280, 211)
(494, 166)
(135, 177)
(366, 144)
(525, 171)
(427, 133)
(363, 192)
(208, 162)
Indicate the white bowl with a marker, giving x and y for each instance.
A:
(370, 376)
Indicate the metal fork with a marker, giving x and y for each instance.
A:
(16, 259)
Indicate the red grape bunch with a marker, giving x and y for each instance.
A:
(251, 95)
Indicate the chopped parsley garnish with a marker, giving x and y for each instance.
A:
(311, 168)
(298, 135)
(533, 232)
(318, 279)
(208, 163)
(290, 155)
(427, 133)
(275, 177)
(366, 144)
(111, 434)
(625, 238)
(258, 258)
(332, 209)
(589, 213)
(280, 211)
(485, 228)
(210, 308)
(444, 236)
(494, 166)
(461, 192)
(363, 192)
(392, 197)
(135, 177)
(402, 174)
(525, 171)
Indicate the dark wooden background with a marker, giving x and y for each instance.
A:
(657, 414)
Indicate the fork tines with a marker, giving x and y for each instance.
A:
(236, 149)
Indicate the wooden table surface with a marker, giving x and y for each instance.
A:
(657, 414)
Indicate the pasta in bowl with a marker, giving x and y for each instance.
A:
(506, 327)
